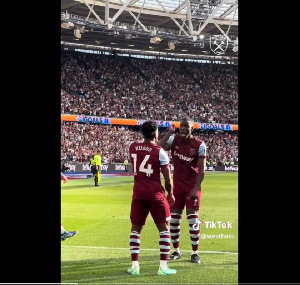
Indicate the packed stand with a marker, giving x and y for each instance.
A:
(121, 87)
(81, 141)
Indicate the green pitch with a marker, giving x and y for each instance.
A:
(99, 253)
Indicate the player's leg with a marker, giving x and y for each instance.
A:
(160, 212)
(99, 177)
(65, 234)
(134, 244)
(96, 176)
(138, 215)
(192, 214)
(176, 217)
(92, 170)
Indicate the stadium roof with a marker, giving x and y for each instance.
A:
(173, 26)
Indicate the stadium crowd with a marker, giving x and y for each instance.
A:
(115, 86)
(80, 141)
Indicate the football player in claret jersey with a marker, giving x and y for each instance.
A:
(148, 160)
(189, 159)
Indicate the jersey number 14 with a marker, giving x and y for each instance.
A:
(142, 168)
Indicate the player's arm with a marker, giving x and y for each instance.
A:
(165, 142)
(201, 171)
(165, 169)
(168, 184)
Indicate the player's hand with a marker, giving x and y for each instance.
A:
(193, 194)
(171, 199)
(172, 128)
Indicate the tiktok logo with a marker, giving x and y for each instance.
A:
(196, 226)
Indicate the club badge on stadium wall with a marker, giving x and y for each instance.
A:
(218, 44)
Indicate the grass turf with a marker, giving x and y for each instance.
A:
(99, 253)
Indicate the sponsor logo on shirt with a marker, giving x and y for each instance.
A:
(182, 157)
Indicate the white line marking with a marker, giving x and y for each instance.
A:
(156, 249)
(104, 186)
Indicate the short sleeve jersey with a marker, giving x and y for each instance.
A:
(97, 159)
(147, 159)
(185, 159)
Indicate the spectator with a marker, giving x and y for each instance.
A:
(141, 88)
(114, 142)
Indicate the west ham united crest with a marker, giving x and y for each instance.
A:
(218, 44)
(192, 151)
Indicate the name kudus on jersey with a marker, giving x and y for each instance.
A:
(140, 147)
(182, 157)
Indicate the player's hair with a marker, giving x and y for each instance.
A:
(187, 118)
(148, 129)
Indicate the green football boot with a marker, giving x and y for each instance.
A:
(167, 271)
(134, 271)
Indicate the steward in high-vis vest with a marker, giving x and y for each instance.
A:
(97, 163)
(126, 164)
(92, 166)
